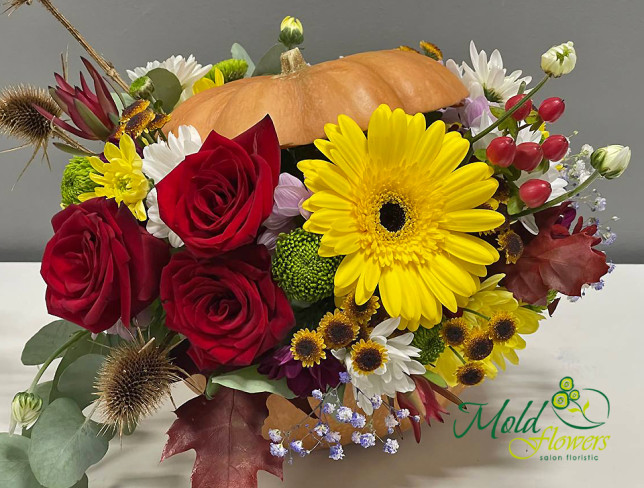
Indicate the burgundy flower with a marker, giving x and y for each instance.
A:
(94, 113)
(302, 381)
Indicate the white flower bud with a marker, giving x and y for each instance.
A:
(559, 60)
(611, 161)
(291, 32)
(25, 409)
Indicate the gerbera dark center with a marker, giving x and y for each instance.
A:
(306, 347)
(392, 216)
(369, 359)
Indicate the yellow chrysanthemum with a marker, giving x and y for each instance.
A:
(121, 177)
(396, 206)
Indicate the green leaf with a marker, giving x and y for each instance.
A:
(543, 167)
(46, 341)
(167, 87)
(71, 150)
(573, 410)
(249, 380)
(96, 126)
(435, 378)
(271, 64)
(85, 346)
(77, 381)
(15, 471)
(586, 405)
(64, 444)
(481, 154)
(515, 205)
(238, 52)
(498, 112)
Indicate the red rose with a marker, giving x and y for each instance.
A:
(101, 265)
(228, 307)
(217, 199)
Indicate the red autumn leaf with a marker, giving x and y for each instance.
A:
(225, 432)
(556, 258)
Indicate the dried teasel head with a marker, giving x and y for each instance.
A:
(19, 118)
(133, 382)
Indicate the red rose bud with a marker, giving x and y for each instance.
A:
(528, 156)
(555, 147)
(551, 109)
(535, 193)
(523, 111)
(501, 151)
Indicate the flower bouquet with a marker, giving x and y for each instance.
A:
(326, 255)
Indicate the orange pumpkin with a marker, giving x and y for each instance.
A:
(304, 98)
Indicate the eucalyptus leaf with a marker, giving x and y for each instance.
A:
(167, 87)
(43, 390)
(249, 380)
(15, 471)
(46, 341)
(271, 63)
(77, 381)
(238, 52)
(435, 378)
(64, 444)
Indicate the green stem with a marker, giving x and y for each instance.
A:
(560, 199)
(469, 310)
(458, 355)
(509, 113)
(72, 340)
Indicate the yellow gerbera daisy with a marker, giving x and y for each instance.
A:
(396, 206)
(121, 177)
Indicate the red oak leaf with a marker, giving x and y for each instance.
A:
(555, 259)
(225, 432)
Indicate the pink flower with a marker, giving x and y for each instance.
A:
(287, 204)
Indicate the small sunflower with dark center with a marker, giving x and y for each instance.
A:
(360, 313)
(502, 194)
(478, 346)
(470, 374)
(408, 49)
(454, 332)
(307, 346)
(338, 330)
(430, 343)
(502, 327)
(368, 356)
(431, 50)
(510, 242)
(133, 382)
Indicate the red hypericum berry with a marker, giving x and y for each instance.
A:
(551, 109)
(523, 111)
(528, 156)
(535, 193)
(501, 151)
(555, 147)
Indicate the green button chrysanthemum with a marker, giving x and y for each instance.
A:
(232, 69)
(299, 270)
(430, 343)
(76, 180)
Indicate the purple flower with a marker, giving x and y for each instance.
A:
(302, 381)
(367, 440)
(289, 195)
(336, 453)
(93, 113)
(344, 415)
(358, 421)
(275, 435)
(391, 446)
(278, 450)
(345, 377)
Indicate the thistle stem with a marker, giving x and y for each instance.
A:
(509, 113)
(100, 60)
(560, 199)
(70, 342)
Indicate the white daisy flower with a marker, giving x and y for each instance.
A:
(393, 375)
(488, 78)
(187, 71)
(158, 160)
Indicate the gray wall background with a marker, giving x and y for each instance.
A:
(603, 95)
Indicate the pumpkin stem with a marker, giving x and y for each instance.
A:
(292, 61)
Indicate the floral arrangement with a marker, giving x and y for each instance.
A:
(323, 256)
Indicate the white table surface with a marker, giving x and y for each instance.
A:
(598, 340)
